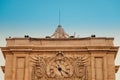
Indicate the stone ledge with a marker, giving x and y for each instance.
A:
(3, 68)
(117, 68)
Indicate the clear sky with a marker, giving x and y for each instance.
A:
(39, 18)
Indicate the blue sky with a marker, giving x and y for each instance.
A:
(85, 17)
(39, 18)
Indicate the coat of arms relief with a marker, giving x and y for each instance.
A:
(59, 67)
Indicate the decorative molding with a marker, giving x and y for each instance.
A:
(59, 67)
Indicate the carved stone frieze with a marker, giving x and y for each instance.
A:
(59, 67)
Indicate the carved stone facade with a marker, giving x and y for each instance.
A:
(59, 67)
(60, 58)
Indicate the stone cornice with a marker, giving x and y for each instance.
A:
(54, 48)
(60, 38)
(64, 48)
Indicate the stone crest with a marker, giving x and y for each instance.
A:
(38, 68)
(59, 67)
(81, 68)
